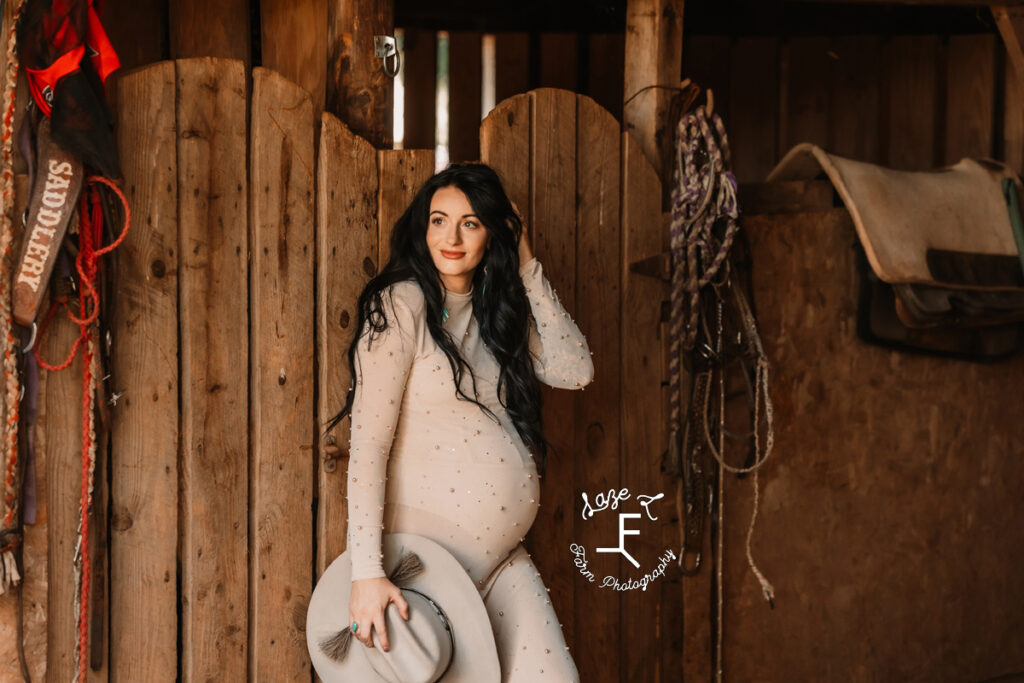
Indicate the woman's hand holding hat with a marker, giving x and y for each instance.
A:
(442, 632)
(369, 598)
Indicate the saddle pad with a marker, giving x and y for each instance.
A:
(943, 227)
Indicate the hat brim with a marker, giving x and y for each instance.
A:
(443, 579)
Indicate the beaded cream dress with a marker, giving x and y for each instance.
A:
(423, 461)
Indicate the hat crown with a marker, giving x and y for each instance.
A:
(421, 648)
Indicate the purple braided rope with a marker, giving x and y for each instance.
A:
(703, 193)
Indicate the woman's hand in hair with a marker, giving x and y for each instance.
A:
(525, 254)
(368, 601)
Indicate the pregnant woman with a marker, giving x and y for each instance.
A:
(455, 334)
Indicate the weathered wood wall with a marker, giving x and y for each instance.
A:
(904, 101)
(884, 523)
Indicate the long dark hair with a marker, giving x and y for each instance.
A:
(499, 299)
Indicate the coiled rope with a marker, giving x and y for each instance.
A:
(703, 199)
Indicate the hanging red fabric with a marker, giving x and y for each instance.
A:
(72, 49)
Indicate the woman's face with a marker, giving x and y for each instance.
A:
(456, 238)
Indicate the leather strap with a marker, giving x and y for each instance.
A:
(54, 196)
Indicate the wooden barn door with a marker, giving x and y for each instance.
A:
(592, 203)
(254, 229)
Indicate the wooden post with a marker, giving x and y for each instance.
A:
(597, 462)
(1010, 21)
(654, 49)
(358, 90)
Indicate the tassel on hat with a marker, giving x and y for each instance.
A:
(336, 646)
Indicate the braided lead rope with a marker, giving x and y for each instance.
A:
(702, 193)
(83, 575)
(8, 564)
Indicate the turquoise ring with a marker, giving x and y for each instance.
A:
(355, 626)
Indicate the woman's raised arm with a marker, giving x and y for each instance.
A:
(382, 369)
(561, 357)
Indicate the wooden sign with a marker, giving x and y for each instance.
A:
(59, 178)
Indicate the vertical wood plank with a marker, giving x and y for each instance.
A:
(558, 58)
(144, 485)
(910, 104)
(199, 28)
(346, 260)
(464, 82)
(552, 232)
(505, 145)
(214, 246)
(753, 108)
(803, 87)
(358, 90)
(605, 70)
(420, 89)
(512, 71)
(294, 43)
(970, 97)
(281, 375)
(402, 173)
(652, 618)
(854, 110)
(596, 458)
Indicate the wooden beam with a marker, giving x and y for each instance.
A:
(358, 90)
(654, 48)
(1010, 21)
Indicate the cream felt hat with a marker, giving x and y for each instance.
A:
(447, 638)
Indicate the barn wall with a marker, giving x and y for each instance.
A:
(886, 511)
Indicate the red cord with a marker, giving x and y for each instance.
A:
(86, 263)
(90, 233)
